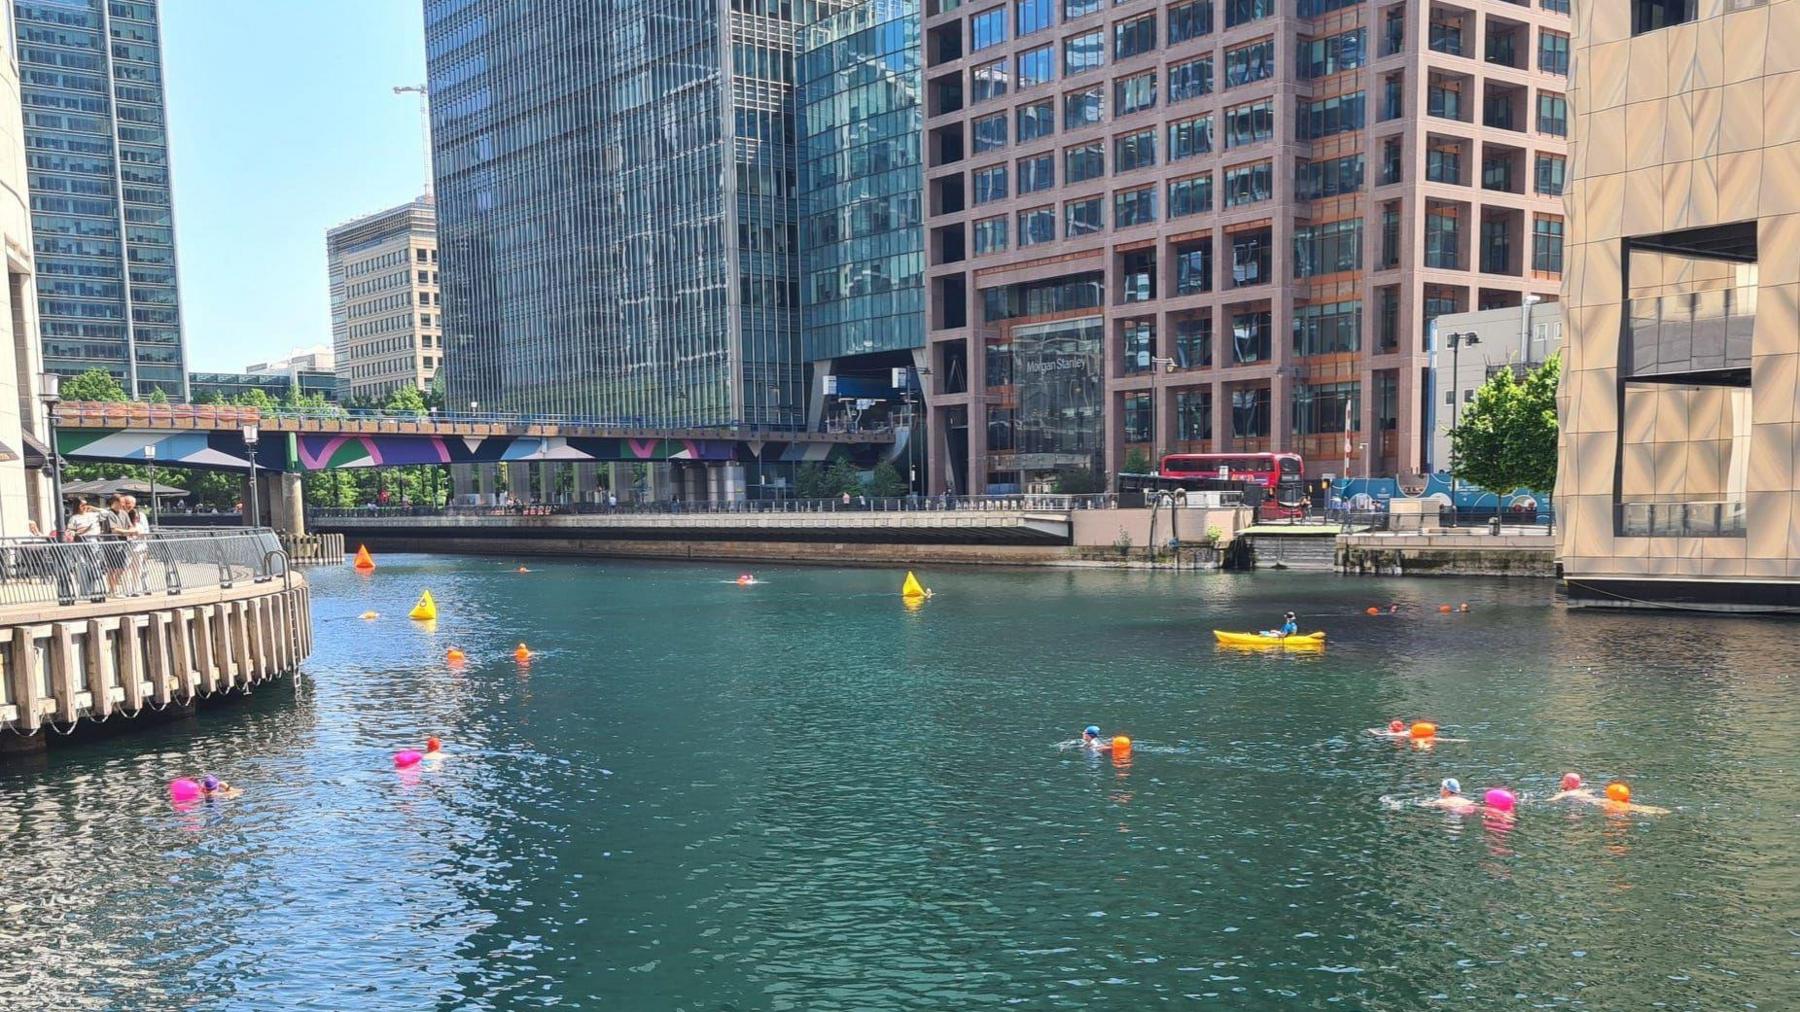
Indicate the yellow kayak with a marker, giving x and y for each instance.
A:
(1297, 642)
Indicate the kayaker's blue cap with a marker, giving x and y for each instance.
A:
(1093, 729)
(1452, 786)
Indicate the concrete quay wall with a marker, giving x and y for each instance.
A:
(1527, 555)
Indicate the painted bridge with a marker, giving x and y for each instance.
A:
(299, 440)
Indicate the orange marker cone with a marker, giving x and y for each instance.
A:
(364, 563)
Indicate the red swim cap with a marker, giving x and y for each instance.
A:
(432, 744)
(1396, 726)
(1571, 781)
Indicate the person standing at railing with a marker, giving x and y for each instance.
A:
(125, 528)
(81, 559)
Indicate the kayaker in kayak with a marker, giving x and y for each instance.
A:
(1291, 627)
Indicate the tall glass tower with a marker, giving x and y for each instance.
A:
(102, 218)
(615, 191)
(861, 184)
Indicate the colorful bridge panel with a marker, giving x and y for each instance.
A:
(333, 451)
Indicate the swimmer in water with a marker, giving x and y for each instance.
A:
(434, 750)
(1395, 729)
(213, 787)
(1571, 790)
(1090, 739)
(1450, 797)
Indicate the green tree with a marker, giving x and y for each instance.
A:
(809, 481)
(255, 398)
(158, 397)
(405, 400)
(93, 385)
(843, 477)
(1137, 462)
(1506, 439)
(886, 482)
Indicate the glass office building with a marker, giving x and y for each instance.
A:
(102, 218)
(862, 227)
(616, 220)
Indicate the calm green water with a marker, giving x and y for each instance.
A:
(802, 795)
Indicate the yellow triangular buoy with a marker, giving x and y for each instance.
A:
(912, 587)
(364, 562)
(425, 610)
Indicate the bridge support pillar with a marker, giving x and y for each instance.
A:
(587, 482)
(518, 480)
(286, 502)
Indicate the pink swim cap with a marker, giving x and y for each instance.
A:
(1571, 781)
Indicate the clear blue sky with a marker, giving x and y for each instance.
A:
(283, 123)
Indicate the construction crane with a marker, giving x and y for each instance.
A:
(424, 125)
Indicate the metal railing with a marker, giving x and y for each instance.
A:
(896, 504)
(1723, 519)
(40, 571)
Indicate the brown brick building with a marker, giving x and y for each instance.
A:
(1224, 225)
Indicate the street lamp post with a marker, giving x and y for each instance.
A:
(150, 458)
(1456, 344)
(250, 437)
(50, 392)
(1166, 365)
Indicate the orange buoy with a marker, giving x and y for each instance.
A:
(1120, 743)
(456, 656)
(522, 654)
(364, 561)
(1423, 729)
(1372, 611)
(1444, 609)
(1617, 791)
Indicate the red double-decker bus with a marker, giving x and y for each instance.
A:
(1281, 473)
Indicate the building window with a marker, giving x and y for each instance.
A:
(1387, 308)
(1393, 36)
(1328, 248)
(1329, 116)
(1393, 96)
(1443, 162)
(990, 235)
(1250, 338)
(1190, 20)
(1083, 217)
(1037, 225)
(1650, 15)
(1134, 207)
(1248, 184)
(1134, 94)
(1135, 418)
(1084, 108)
(1551, 170)
(1250, 413)
(1238, 12)
(1390, 235)
(990, 184)
(1250, 258)
(1037, 66)
(1318, 180)
(1084, 162)
(1553, 114)
(1037, 173)
(1073, 9)
(1194, 338)
(1444, 97)
(1329, 329)
(990, 132)
(987, 29)
(1137, 271)
(1190, 137)
(1446, 34)
(1254, 62)
(989, 81)
(1134, 151)
(1137, 339)
(1392, 166)
(1553, 53)
(1547, 244)
(1193, 266)
(1131, 38)
(1496, 247)
(1192, 195)
(1037, 120)
(1191, 79)
(1250, 123)
(1443, 236)
(1032, 16)
(1193, 413)
(1330, 55)
(1323, 408)
(1083, 52)
(1557, 6)
(1439, 301)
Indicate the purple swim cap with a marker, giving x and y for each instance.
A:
(211, 782)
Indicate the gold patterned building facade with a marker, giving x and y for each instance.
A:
(1677, 484)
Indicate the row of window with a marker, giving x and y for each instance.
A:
(987, 28)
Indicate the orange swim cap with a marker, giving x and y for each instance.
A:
(1571, 781)
(1617, 791)
(1372, 610)
(432, 744)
